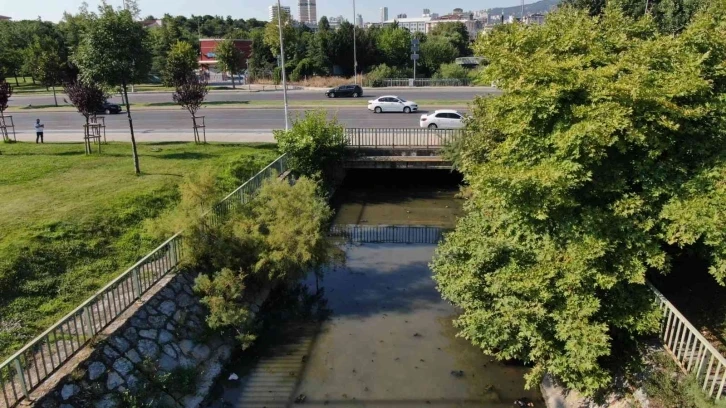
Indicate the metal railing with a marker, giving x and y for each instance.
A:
(693, 352)
(36, 361)
(393, 138)
(420, 82)
(389, 234)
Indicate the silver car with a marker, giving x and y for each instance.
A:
(390, 103)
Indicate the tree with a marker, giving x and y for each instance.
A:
(289, 35)
(580, 175)
(88, 98)
(44, 62)
(313, 144)
(280, 238)
(181, 61)
(190, 94)
(260, 62)
(395, 46)
(229, 58)
(671, 16)
(456, 34)
(115, 51)
(435, 52)
(6, 91)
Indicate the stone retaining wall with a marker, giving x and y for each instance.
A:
(163, 356)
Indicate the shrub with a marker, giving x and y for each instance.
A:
(452, 71)
(314, 144)
(376, 77)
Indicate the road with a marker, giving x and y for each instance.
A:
(449, 94)
(223, 125)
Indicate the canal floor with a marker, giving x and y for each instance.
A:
(388, 341)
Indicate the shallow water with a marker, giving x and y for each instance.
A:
(388, 342)
(399, 197)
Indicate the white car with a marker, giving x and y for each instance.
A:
(443, 119)
(392, 103)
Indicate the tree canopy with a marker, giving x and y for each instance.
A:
(606, 146)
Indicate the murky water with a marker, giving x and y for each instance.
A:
(399, 197)
(379, 335)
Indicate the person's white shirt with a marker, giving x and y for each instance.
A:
(39, 127)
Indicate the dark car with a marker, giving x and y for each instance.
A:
(110, 108)
(345, 90)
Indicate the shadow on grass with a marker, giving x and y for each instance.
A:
(185, 156)
(32, 107)
(216, 103)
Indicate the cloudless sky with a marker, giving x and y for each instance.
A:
(52, 10)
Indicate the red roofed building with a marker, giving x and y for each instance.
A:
(208, 58)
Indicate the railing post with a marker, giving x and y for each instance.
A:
(23, 385)
(172, 253)
(136, 276)
(89, 319)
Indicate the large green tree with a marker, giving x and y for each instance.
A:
(46, 61)
(607, 138)
(181, 61)
(394, 44)
(456, 34)
(435, 52)
(671, 16)
(229, 58)
(115, 51)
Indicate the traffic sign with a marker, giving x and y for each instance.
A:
(415, 57)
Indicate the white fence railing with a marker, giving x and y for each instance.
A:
(400, 137)
(418, 82)
(25, 370)
(691, 350)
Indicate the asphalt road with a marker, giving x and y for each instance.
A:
(241, 125)
(447, 94)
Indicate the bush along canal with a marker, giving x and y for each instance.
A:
(377, 334)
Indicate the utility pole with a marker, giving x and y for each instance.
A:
(282, 56)
(523, 11)
(415, 43)
(355, 47)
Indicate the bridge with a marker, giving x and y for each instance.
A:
(398, 148)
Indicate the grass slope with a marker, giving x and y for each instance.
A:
(69, 222)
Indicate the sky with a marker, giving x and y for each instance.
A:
(52, 10)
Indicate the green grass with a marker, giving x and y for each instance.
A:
(69, 223)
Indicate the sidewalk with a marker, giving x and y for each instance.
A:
(148, 135)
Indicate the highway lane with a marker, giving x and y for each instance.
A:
(248, 124)
(447, 94)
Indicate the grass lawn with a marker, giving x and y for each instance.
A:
(70, 222)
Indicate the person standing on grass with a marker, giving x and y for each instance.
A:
(39, 127)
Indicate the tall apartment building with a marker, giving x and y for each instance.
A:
(359, 21)
(384, 14)
(273, 12)
(308, 11)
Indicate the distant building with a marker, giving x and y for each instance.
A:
(208, 57)
(4, 18)
(536, 19)
(335, 22)
(273, 12)
(414, 25)
(402, 15)
(308, 11)
(426, 12)
(384, 14)
(359, 21)
(150, 23)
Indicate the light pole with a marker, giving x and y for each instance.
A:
(282, 56)
(355, 47)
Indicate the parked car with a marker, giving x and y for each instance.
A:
(390, 103)
(110, 108)
(345, 90)
(443, 119)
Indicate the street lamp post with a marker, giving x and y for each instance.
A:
(282, 56)
(355, 47)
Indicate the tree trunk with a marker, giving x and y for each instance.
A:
(233, 87)
(33, 78)
(137, 169)
(16, 80)
(196, 131)
(86, 134)
(55, 97)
